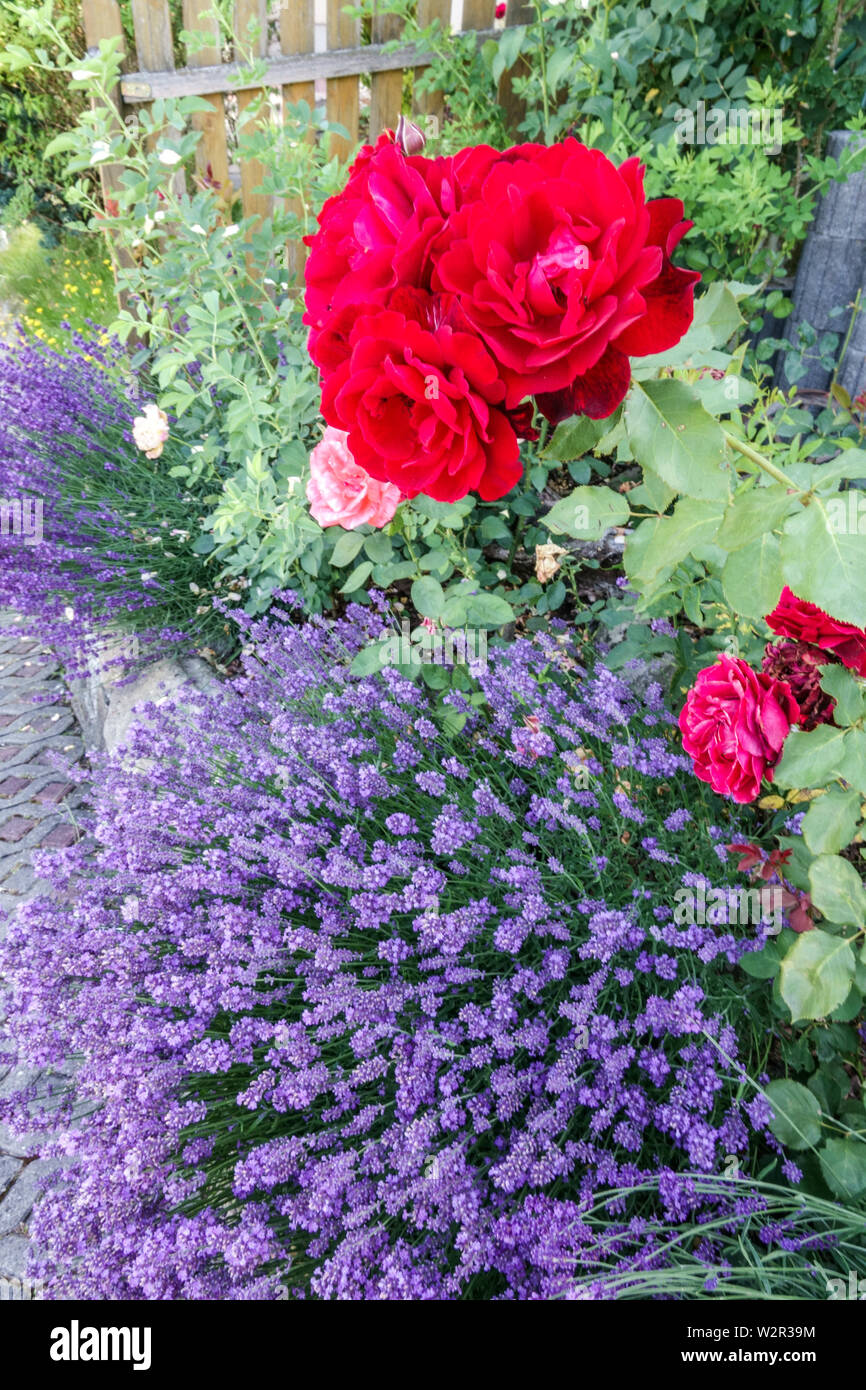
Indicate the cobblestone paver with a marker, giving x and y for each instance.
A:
(37, 811)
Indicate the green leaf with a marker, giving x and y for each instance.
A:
(379, 548)
(488, 610)
(675, 537)
(346, 548)
(796, 1120)
(847, 691)
(837, 890)
(810, 759)
(652, 493)
(843, 1163)
(763, 964)
(357, 578)
(831, 821)
(587, 513)
(752, 514)
(825, 566)
(493, 528)
(752, 577)
(670, 432)
(816, 974)
(850, 464)
(428, 597)
(574, 438)
(369, 659)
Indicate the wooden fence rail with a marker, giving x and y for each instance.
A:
(294, 73)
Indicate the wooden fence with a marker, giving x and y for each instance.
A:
(294, 72)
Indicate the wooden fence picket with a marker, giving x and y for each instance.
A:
(386, 88)
(430, 104)
(297, 35)
(212, 155)
(252, 170)
(343, 96)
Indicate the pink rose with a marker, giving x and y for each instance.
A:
(340, 493)
(734, 723)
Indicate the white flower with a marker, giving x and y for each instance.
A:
(231, 230)
(169, 157)
(150, 430)
(159, 216)
(69, 614)
(194, 588)
(82, 75)
(198, 229)
(100, 150)
(149, 225)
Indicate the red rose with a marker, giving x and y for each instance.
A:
(564, 270)
(422, 403)
(793, 617)
(734, 723)
(380, 231)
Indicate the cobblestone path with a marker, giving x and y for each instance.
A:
(36, 812)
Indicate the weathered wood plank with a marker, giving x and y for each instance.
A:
(431, 104)
(513, 107)
(297, 39)
(343, 96)
(101, 19)
(386, 88)
(151, 21)
(211, 156)
(297, 36)
(341, 62)
(252, 170)
(477, 14)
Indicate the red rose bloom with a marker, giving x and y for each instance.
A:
(422, 403)
(734, 723)
(564, 270)
(380, 231)
(805, 622)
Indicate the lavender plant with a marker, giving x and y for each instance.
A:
(368, 1005)
(117, 531)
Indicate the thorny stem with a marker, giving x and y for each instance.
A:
(754, 457)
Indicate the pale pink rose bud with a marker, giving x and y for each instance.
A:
(150, 430)
(409, 136)
(341, 493)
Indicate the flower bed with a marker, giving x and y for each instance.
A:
(370, 1009)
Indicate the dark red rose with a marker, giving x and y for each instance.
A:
(422, 403)
(564, 269)
(805, 622)
(734, 723)
(802, 666)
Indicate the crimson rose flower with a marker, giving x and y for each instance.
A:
(564, 270)
(734, 723)
(422, 403)
(379, 231)
(794, 617)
